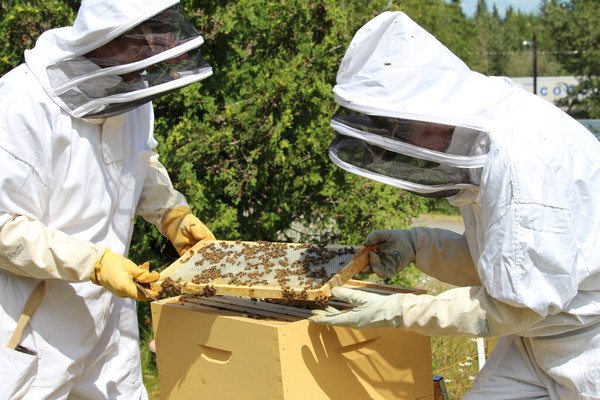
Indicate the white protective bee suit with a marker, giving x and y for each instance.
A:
(526, 177)
(76, 150)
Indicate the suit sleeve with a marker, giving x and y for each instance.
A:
(158, 194)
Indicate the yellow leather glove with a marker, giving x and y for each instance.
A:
(183, 229)
(117, 274)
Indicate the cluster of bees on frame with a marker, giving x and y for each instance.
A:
(265, 264)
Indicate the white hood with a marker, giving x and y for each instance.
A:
(59, 52)
(395, 68)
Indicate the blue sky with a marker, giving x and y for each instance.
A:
(527, 6)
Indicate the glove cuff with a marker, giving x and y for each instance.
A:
(414, 240)
(395, 317)
(98, 266)
(171, 219)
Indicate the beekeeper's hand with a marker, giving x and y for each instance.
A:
(183, 229)
(369, 310)
(117, 274)
(395, 251)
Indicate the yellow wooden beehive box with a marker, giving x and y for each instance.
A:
(231, 348)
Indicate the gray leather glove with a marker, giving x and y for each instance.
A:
(369, 310)
(396, 250)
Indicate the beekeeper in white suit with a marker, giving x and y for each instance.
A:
(76, 149)
(527, 180)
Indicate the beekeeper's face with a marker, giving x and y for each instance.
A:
(433, 137)
(427, 135)
(142, 42)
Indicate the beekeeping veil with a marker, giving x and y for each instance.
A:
(117, 56)
(413, 115)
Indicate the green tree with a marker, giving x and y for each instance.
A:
(493, 58)
(574, 27)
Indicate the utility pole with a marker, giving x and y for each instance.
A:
(534, 49)
(533, 44)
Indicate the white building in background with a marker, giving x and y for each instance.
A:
(551, 88)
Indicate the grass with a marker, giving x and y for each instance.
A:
(456, 360)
